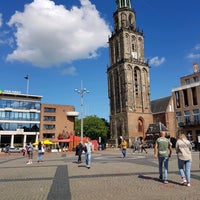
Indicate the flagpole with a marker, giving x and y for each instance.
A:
(27, 84)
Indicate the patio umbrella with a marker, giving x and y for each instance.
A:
(45, 142)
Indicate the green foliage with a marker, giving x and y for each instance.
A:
(93, 127)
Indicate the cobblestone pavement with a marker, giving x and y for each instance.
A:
(110, 177)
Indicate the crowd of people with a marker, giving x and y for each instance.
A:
(162, 152)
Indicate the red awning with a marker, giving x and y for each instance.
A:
(61, 140)
(64, 140)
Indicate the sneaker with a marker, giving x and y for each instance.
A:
(183, 182)
(165, 182)
(28, 163)
(160, 178)
(188, 184)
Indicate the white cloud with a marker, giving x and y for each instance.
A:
(69, 71)
(197, 47)
(1, 20)
(195, 54)
(156, 61)
(48, 34)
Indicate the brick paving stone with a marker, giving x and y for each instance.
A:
(110, 177)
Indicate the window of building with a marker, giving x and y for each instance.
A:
(187, 81)
(189, 135)
(196, 116)
(136, 78)
(49, 118)
(48, 135)
(179, 118)
(49, 127)
(2, 115)
(117, 51)
(187, 117)
(185, 95)
(194, 96)
(124, 20)
(196, 79)
(177, 96)
(140, 125)
(51, 110)
(7, 114)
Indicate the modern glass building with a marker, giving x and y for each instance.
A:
(19, 118)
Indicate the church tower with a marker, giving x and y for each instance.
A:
(128, 77)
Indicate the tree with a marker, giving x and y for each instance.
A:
(93, 127)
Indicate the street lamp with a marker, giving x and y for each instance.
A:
(81, 92)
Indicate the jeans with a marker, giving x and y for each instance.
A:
(88, 159)
(163, 161)
(124, 153)
(184, 167)
(39, 155)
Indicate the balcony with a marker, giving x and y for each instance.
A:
(189, 124)
(186, 86)
(72, 114)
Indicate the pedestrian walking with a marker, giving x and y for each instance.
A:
(24, 151)
(30, 153)
(183, 150)
(142, 147)
(88, 152)
(40, 152)
(124, 147)
(136, 146)
(79, 150)
(163, 151)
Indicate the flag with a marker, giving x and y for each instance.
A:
(26, 77)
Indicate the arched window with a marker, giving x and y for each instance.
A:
(140, 125)
(124, 20)
(137, 80)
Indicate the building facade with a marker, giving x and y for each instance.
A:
(19, 118)
(24, 119)
(128, 77)
(163, 112)
(187, 105)
(56, 119)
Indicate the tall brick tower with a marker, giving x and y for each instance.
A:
(128, 77)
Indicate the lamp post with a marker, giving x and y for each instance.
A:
(81, 92)
(27, 85)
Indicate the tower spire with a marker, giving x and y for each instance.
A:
(123, 3)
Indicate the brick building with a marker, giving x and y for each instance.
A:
(163, 112)
(187, 105)
(55, 120)
(128, 77)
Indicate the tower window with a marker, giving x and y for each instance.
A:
(133, 47)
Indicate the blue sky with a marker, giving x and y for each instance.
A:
(62, 43)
